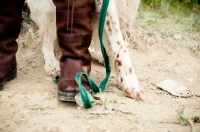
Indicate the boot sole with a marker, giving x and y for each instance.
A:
(10, 77)
(67, 97)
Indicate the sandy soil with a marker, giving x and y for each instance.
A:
(29, 103)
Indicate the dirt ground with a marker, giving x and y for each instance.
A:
(159, 50)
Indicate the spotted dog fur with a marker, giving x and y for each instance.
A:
(116, 40)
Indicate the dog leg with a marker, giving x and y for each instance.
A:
(126, 77)
(43, 13)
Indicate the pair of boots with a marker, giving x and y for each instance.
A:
(74, 34)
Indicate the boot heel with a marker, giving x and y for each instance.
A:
(63, 96)
(2, 85)
(10, 77)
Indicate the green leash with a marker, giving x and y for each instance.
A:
(83, 92)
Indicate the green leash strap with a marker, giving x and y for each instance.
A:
(102, 20)
(86, 101)
(84, 94)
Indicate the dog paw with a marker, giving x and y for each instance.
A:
(130, 85)
(52, 67)
(134, 93)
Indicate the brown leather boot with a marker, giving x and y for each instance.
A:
(74, 37)
(10, 25)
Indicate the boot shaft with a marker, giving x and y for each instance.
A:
(10, 25)
(10, 11)
(73, 18)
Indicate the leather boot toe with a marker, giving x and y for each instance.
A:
(67, 86)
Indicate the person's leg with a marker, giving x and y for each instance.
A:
(74, 33)
(10, 25)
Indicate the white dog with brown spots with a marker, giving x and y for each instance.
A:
(119, 20)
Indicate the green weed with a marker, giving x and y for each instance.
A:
(39, 108)
(26, 18)
(19, 122)
(181, 117)
(197, 118)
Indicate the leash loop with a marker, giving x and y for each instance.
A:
(83, 92)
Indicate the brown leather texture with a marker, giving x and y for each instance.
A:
(75, 28)
(67, 81)
(10, 25)
(10, 11)
(74, 32)
(3, 69)
(6, 69)
(76, 15)
(74, 38)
